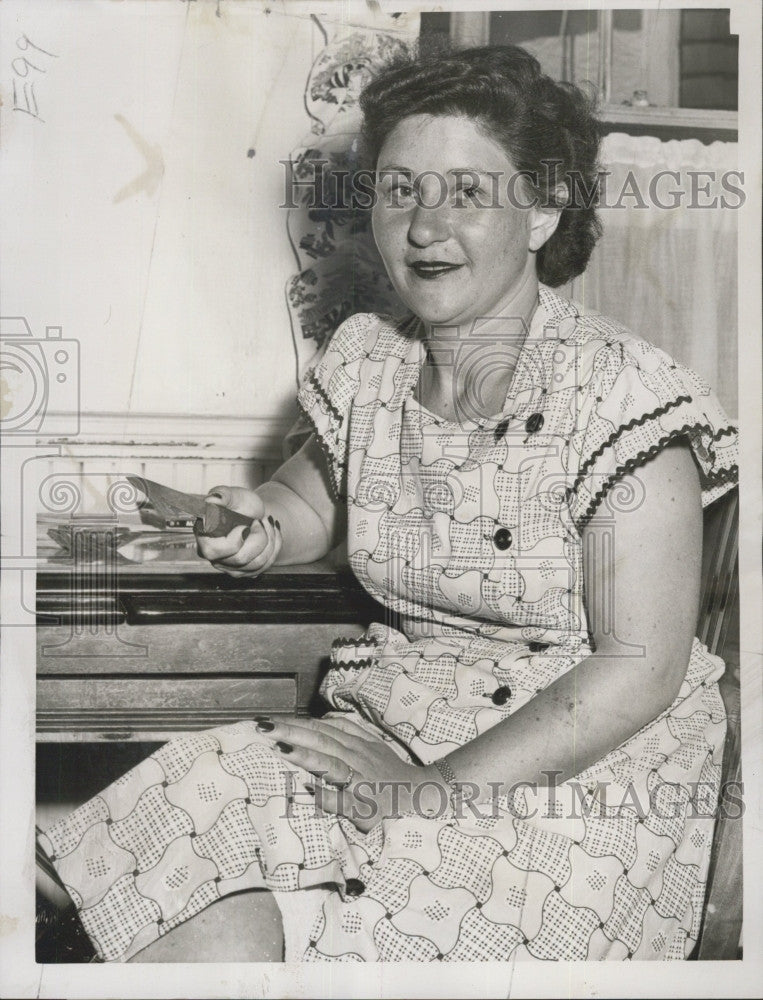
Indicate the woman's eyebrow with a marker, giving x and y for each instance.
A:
(393, 168)
(455, 171)
(484, 171)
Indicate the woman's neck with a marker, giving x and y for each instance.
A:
(469, 367)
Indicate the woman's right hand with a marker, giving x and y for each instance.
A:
(244, 551)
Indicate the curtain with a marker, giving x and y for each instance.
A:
(670, 273)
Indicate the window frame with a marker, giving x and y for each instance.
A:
(668, 122)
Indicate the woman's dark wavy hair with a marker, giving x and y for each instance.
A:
(548, 129)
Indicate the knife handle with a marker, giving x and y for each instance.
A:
(219, 520)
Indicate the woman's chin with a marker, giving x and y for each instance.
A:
(439, 313)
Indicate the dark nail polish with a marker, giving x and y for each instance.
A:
(244, 534)
(278, 525)
(218, 495)
(270, 518)
(309, 789)
(265, 726)
(284, 747)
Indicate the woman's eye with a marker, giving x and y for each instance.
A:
(395, 191)
(470, 191)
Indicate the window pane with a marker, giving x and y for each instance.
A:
(566, 43)
(629, 59)
(709, 60)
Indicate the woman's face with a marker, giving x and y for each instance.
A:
(455, 250)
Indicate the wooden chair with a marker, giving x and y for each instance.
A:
(720, 935)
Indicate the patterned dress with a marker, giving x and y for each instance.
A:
(472, 536)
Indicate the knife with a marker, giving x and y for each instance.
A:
(212, 519)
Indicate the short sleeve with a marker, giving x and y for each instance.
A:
(328, 390)
(636, 401)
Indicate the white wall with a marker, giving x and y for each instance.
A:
(172, 281)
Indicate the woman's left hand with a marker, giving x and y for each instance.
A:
(357, 776)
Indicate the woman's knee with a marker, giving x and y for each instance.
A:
(244, 927)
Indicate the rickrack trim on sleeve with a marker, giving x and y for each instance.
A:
(336, 467)
(318, 388)
(713, 477)
(658, 411)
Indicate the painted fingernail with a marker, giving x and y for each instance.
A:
(270, 518)
(218, 495)
(310, 789)
(278, 525)
(244, 534)
(265, 726)
(284, 747)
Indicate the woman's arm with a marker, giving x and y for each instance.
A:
(647, 594)
(301, 490)
(297, 519)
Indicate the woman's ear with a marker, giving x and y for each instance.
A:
(545, 219)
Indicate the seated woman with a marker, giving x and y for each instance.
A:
(527, 764)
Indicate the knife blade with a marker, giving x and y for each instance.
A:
(215, 519)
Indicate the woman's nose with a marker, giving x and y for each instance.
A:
(430, 221)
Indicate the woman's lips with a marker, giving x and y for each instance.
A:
(431, 269)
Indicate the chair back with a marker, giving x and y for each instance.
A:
(718, 628)
(720, 582)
